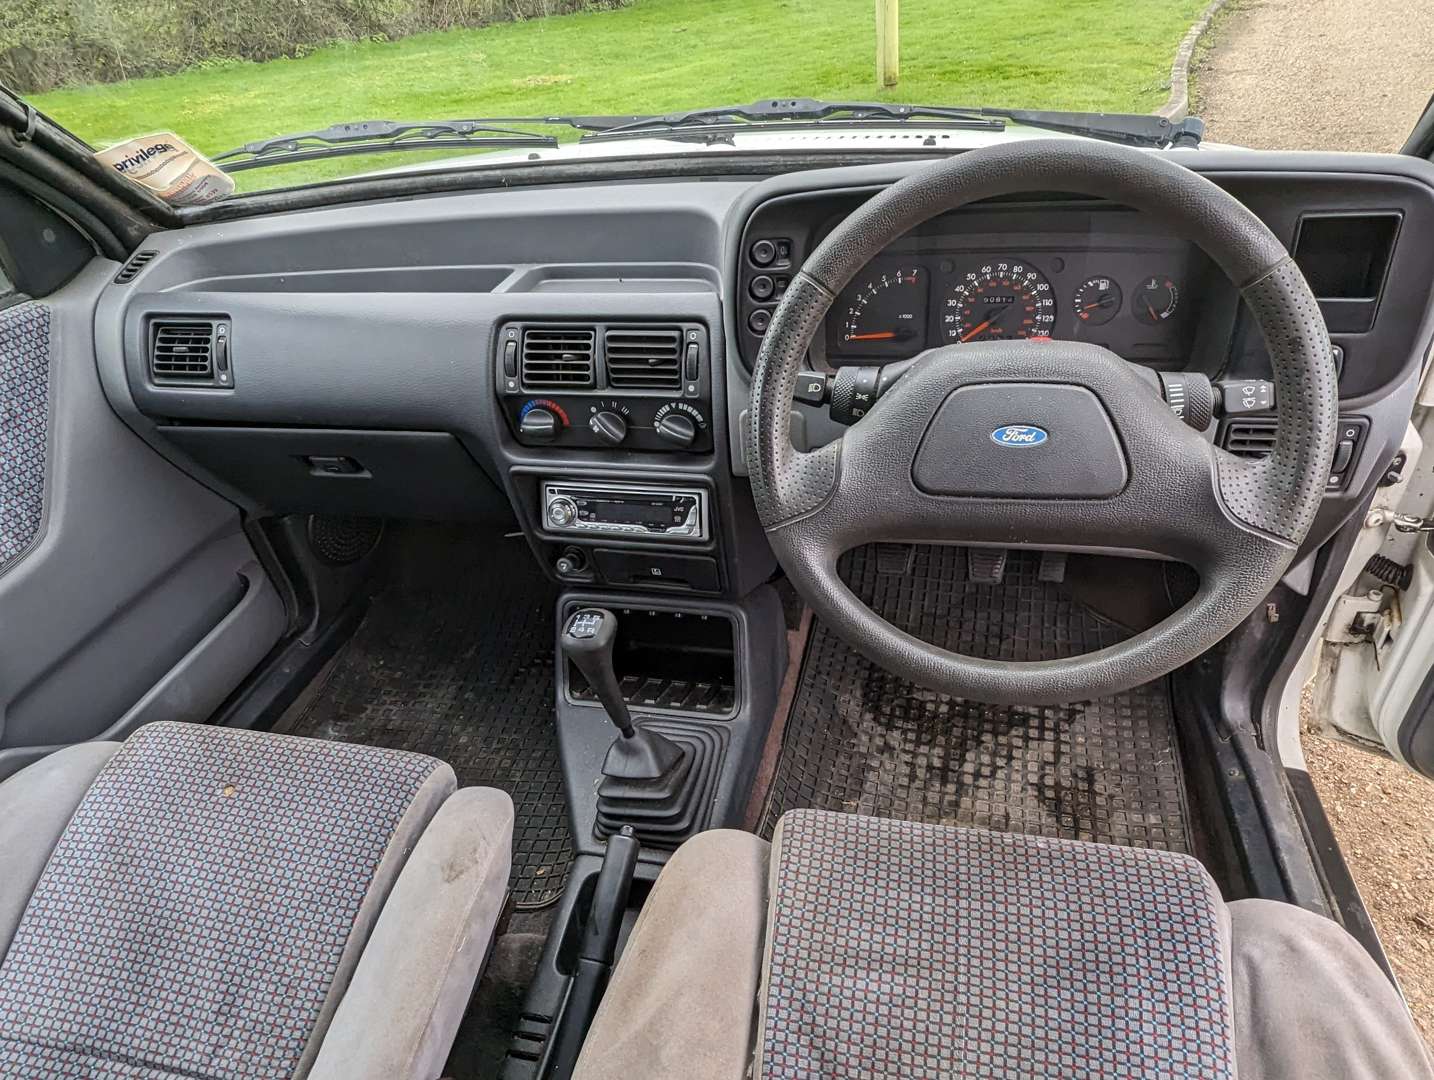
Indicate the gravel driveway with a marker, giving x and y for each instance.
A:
(1343, 75)
(1316, 74)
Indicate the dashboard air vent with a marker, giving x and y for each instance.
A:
(130, 270)
(182, 352)
(644, 358)
(559, 358)
(1250, 438)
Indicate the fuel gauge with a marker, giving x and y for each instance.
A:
(1155, 300)
(1097, 301)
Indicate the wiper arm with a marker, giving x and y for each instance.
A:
(807, 110)
(377, 137)
(1133, 129)
(385, 136)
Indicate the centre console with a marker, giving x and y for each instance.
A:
(614, 463)
(594, 385)
(627, 510)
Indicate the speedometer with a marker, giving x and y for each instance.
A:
(999, 300)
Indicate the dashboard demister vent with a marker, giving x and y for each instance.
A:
(644, 357)
(559, 358)
(189, 352)
(1249, 438)
(130, 270)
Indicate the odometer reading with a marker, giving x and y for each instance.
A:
(999, 301)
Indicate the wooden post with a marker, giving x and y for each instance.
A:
(888, 49)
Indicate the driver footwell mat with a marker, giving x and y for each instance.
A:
(861, 740)
(454, 658)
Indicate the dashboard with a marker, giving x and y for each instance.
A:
(579, 356)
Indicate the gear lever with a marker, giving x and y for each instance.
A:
(588, 640)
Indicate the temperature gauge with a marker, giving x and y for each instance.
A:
(1155, 300)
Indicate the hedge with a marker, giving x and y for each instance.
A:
(50, 43)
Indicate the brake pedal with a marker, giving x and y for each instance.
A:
(894, 558)
(986, 566)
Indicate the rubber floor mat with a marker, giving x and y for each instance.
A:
(455, 659)
(861, 740)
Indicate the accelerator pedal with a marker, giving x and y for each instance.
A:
(1053, 567)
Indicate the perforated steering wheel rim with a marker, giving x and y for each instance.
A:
(1237, 522)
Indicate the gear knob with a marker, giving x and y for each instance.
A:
(588, 640)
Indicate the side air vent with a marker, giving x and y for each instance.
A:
(189, 352)
(644, 358)
(559, 358)
(1249, 438)
(130, 270)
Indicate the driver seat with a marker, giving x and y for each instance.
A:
(859, 947)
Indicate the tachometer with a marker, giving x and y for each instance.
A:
(885, 314)
(999, 300)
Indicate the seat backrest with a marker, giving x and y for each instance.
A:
(898, 949)
(203, 910)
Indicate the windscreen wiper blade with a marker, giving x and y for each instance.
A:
(1133, 129)
(378, 137)
(771, 111)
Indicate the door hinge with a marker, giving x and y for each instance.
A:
(1405, 523)
(1368, 618)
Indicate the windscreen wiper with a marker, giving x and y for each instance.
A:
(378, 137)
(1133, 129)
(772, 112)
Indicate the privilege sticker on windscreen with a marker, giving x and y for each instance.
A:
(169, 167)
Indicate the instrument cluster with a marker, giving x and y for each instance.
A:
(1133, 302)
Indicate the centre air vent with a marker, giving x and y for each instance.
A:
(559, 358)
(189, 352)
(644, 357)
(1249, 438)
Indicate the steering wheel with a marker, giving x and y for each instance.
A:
(1046, 444)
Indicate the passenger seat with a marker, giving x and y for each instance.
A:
(219, 904)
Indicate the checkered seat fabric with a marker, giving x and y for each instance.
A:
(856, 947)
(208, 904)
(905, 950)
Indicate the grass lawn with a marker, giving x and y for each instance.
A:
(656, 56)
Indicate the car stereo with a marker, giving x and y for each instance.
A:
(625, 510)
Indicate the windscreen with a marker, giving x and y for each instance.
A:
(360, 86)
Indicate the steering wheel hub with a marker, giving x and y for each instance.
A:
(1021, 440)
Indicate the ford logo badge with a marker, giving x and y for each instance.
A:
(1018, 435)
